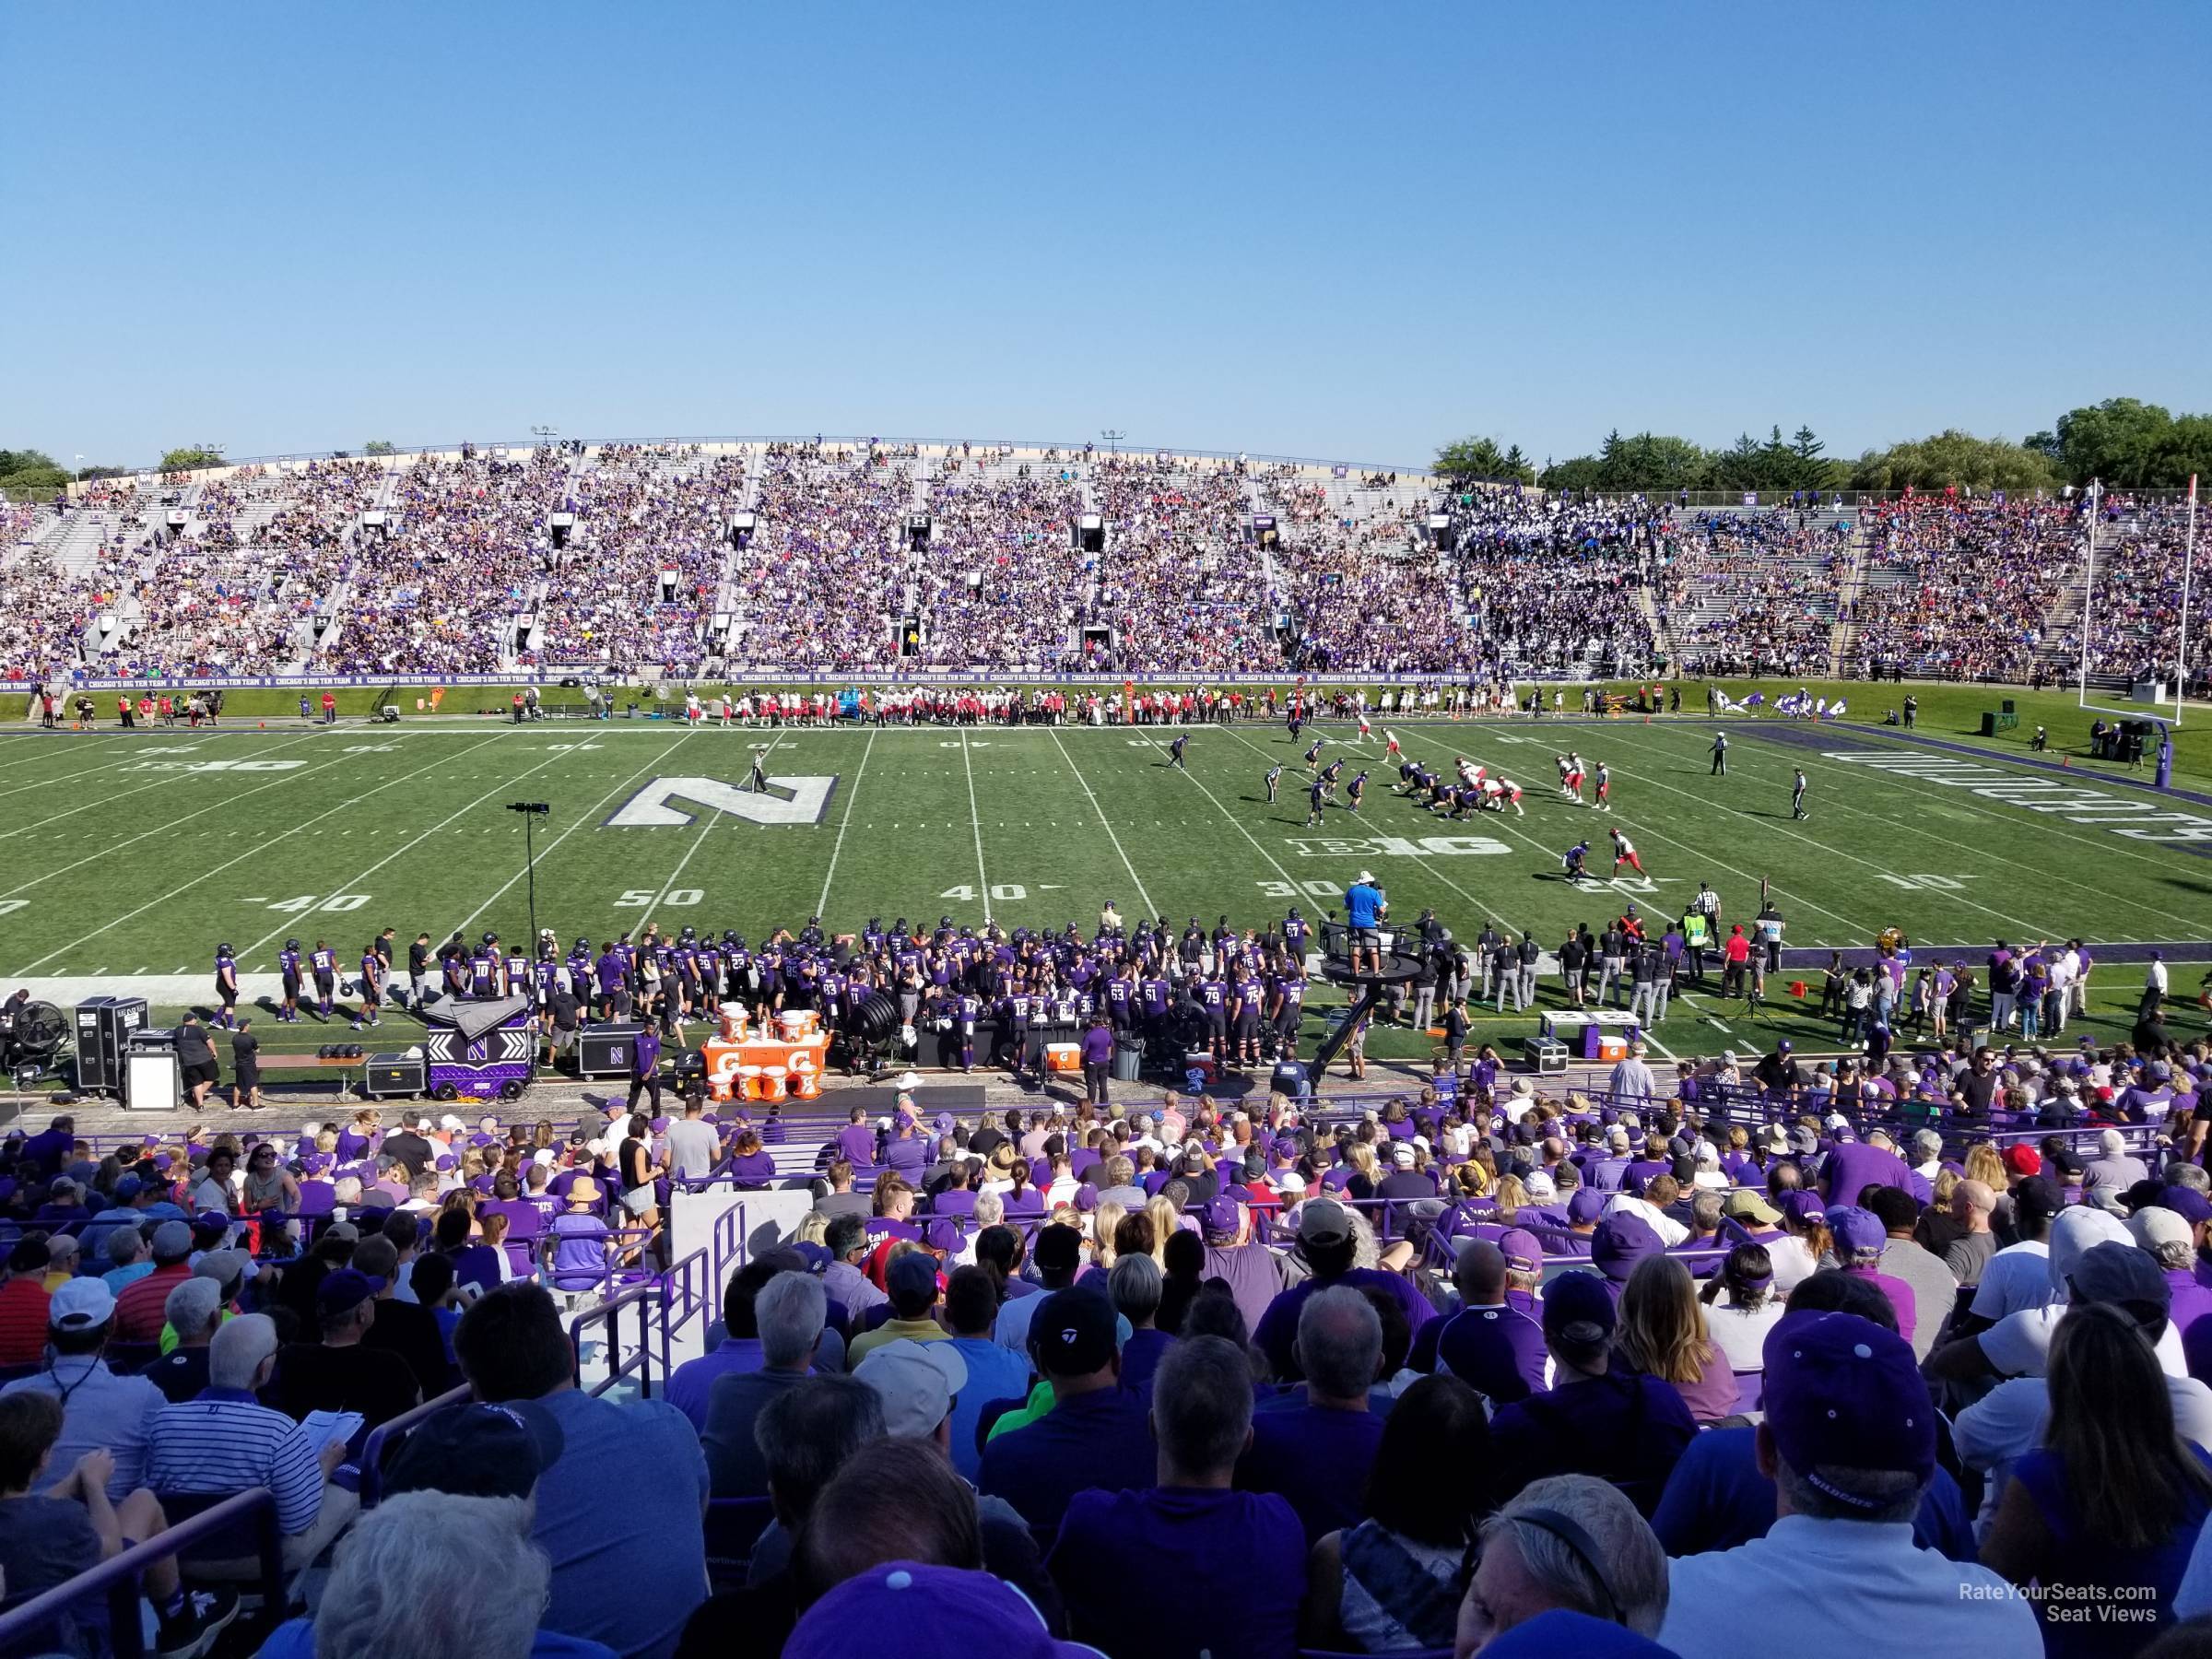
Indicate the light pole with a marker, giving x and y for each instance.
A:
(532, 811)
(544, 434)
(1113, 436)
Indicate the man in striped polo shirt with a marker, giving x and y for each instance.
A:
(226, 1441)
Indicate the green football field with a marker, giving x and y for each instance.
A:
(126, 856)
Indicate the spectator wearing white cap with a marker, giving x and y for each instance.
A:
(2107, 1508)
(2013, 1418)
(101, 1412)
(917, 1384)
(1848, 1440)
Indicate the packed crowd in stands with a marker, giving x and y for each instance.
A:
(2134, 611)
(473, 546)
(44, 612)
(1488, 1369)
(825, 576)
(1531, 583)
(1372, 593)
(1555, 585)
(1753, 593)
(1964, 588)
(258, 557)
(1000, 579)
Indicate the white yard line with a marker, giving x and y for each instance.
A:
(1237, 825)
(1433, 871)
(164, 828)
(352, 884)
(260, 847)
(2021, 817)
(2012, 921)
(706, 826)
(821, 905)
(652, 765)
(975, 817)
(125, 794)
(1110, 836)
(98, 745)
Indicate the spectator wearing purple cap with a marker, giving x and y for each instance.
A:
(1095, 1432)
(1850, 1441)
(941, 1613)
(1495, 1342)
(1860, 1239)
(1620, 1241)
(1254, 1274)
(625, 1573)
(1717, 1498)
(1598, 1419)
(1586, 1210)
(2111, 1506)
(1316, 1453)
(1243, 1551)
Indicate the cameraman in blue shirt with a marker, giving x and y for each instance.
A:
(1364, 908)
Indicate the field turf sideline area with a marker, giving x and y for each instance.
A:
(133, 853)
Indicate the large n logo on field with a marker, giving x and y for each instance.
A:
(787, 801)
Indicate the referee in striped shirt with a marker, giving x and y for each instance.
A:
(226, 1441)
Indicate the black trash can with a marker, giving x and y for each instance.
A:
(1128, 1061)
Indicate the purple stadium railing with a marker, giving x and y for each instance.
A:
(118, 1577)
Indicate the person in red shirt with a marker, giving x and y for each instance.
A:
(141, 1310)
(23, 1304)
(330, 709)
(1737, 955)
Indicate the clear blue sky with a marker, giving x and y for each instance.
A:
(1340, 232)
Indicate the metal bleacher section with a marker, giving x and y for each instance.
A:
(114, 533)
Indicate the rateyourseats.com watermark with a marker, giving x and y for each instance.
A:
(2075, 1603)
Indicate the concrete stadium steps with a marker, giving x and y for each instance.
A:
(76, 547)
